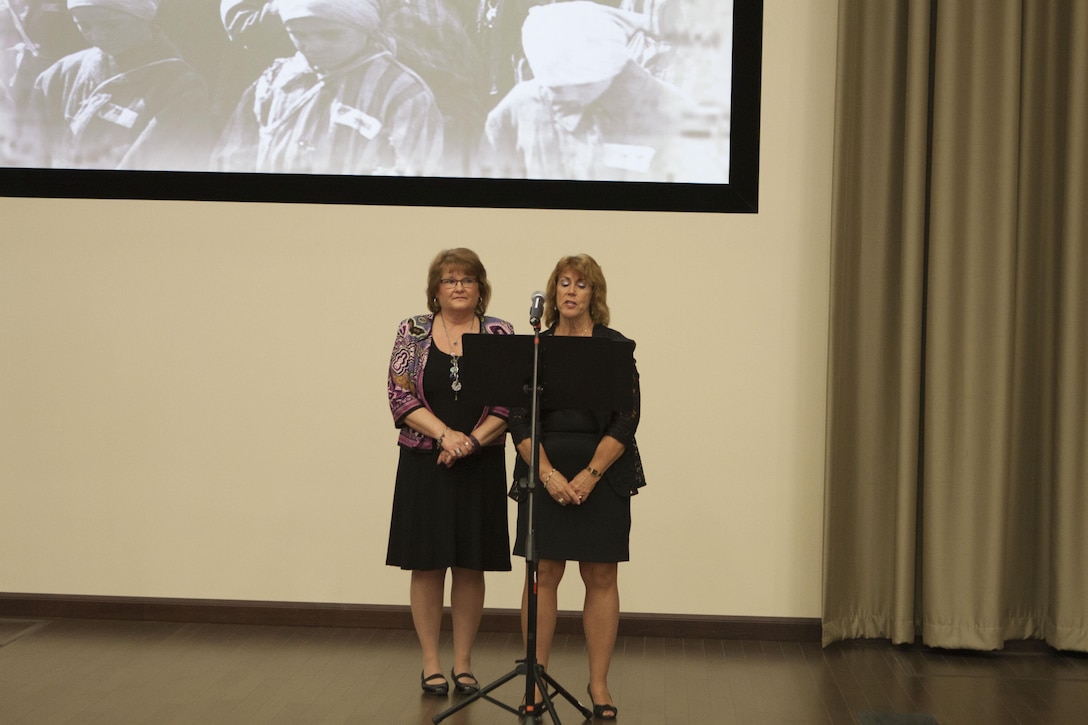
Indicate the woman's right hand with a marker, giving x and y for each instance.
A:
(559, 488)
(456, 444)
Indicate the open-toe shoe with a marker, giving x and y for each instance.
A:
(602, 712)
(536, 712)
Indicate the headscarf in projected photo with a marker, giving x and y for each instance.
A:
(363, 14)
(571, 43)
(143, 9)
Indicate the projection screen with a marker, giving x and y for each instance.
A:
(618, 104)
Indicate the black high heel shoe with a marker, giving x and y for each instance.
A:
(465, 688)
(537, 712)
(438, 688)
(602, 712)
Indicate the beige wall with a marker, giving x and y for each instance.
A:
(192, 395)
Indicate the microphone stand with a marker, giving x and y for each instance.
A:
(535, 676)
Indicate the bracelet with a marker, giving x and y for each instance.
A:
(475, 443)
(441, 436)
(548, 477)
(593, 472)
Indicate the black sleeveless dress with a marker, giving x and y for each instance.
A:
(457, 516)
(598, 529)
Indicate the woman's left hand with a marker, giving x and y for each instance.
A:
(448, 457)
(455, 445)
(583, 484)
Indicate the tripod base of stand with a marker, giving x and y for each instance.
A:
(538, 679)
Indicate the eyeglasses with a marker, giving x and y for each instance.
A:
(450, 282)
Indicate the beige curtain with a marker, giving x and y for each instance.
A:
(957, 462)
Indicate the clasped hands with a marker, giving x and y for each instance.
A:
(572, 492)
(454, 445)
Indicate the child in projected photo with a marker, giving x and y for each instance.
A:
(341, 105)
(433, 38)
(591, 111)
(127, 102)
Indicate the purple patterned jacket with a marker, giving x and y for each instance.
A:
(406, 367)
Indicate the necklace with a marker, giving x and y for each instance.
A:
(455, 359)
(575, 332)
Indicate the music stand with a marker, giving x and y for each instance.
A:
(528, 371)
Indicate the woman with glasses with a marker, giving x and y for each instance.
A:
(590, 467)
(449, 505)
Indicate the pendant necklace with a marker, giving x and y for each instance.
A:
(455, 370)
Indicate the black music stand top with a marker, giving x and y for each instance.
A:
(588, 373)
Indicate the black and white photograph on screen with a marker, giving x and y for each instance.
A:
(609, 90)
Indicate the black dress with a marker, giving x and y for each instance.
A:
(444, 517)
(598, 529)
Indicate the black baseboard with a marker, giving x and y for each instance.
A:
(306, 614)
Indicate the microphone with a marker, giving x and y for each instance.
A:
(536, 311)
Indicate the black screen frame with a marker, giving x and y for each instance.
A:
(740, 195)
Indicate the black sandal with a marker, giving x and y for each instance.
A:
(441, 688)
(599, 711)
(465, 688)
(537, 710)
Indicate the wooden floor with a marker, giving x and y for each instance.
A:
(115, 673)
